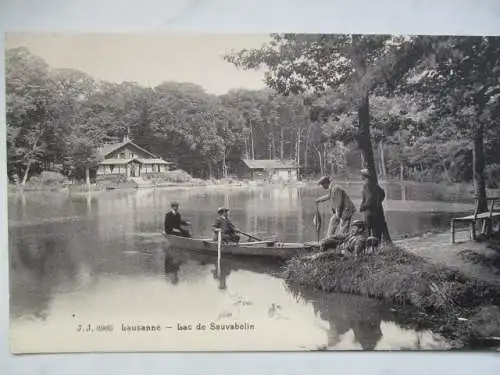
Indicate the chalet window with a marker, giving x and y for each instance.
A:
(122, 155)
(111, 167)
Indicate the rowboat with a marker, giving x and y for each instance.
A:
(269, 249)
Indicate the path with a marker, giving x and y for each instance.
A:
(438, 249)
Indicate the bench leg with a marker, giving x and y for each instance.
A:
(487, 227)
(473, 230)
(452, 231)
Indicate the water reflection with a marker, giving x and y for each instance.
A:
(355, 323)
(348, 322)
(102, 256)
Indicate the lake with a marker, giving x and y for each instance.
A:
(87, 270)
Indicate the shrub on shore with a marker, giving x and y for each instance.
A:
(47, 180)
(177, 175)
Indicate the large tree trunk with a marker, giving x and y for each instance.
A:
(247, 153)
(224, 166)
(210, 170)
(365, 145)
(306, 147)
(26, 172)
(282, 144)
(364, 139)
(401, 180)
(273, 141)
(87, 178)
(252, 144)
(297, 147)
(478, 167)
(320, 160)
(382, 160)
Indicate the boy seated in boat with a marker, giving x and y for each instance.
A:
(226, 227)
(173, 222)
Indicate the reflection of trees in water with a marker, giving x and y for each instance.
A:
(343, 313)
(365, 317)
(275, 212)
(40, 264)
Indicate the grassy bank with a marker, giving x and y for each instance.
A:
(459, 306)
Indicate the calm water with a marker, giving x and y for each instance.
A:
(98, 260)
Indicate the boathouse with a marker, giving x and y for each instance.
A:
(271, 170)
(130, 160)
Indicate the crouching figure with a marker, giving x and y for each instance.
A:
(355, 243)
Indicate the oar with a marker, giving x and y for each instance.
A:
(249, 236)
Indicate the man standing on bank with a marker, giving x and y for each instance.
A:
(371, 205)
(173, 222)
(342, 207)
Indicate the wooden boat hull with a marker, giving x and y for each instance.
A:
(278, 250)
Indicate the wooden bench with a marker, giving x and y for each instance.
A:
(485, 217)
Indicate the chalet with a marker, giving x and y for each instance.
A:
(128, 159)
(269, 170)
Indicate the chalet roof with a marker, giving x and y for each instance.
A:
(270, 164)
(126, 161)
(109, 148)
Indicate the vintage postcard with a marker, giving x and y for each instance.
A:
(274, 192)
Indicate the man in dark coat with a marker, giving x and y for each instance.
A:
(227, 228)
(371, 205)
(173, 222)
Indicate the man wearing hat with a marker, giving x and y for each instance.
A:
(173, 222)
(342, 207)
(371, 204)
(355, 243)
(225, 226)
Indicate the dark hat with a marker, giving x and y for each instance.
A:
(174, 204)
(358, 223)
(222, 209)
(364, 172)
(323, 180)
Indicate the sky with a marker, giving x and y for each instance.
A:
(148, 59)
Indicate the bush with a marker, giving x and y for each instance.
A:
(393, 274)
(111, 179)
(47, 178)
(177, 175)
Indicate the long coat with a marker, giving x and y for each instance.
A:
(173, 221)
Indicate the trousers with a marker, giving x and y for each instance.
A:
(373, 226)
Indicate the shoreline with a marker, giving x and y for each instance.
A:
(452, 189)
(81, 189)
(459, 301)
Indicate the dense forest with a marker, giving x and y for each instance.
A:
(415, 108)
